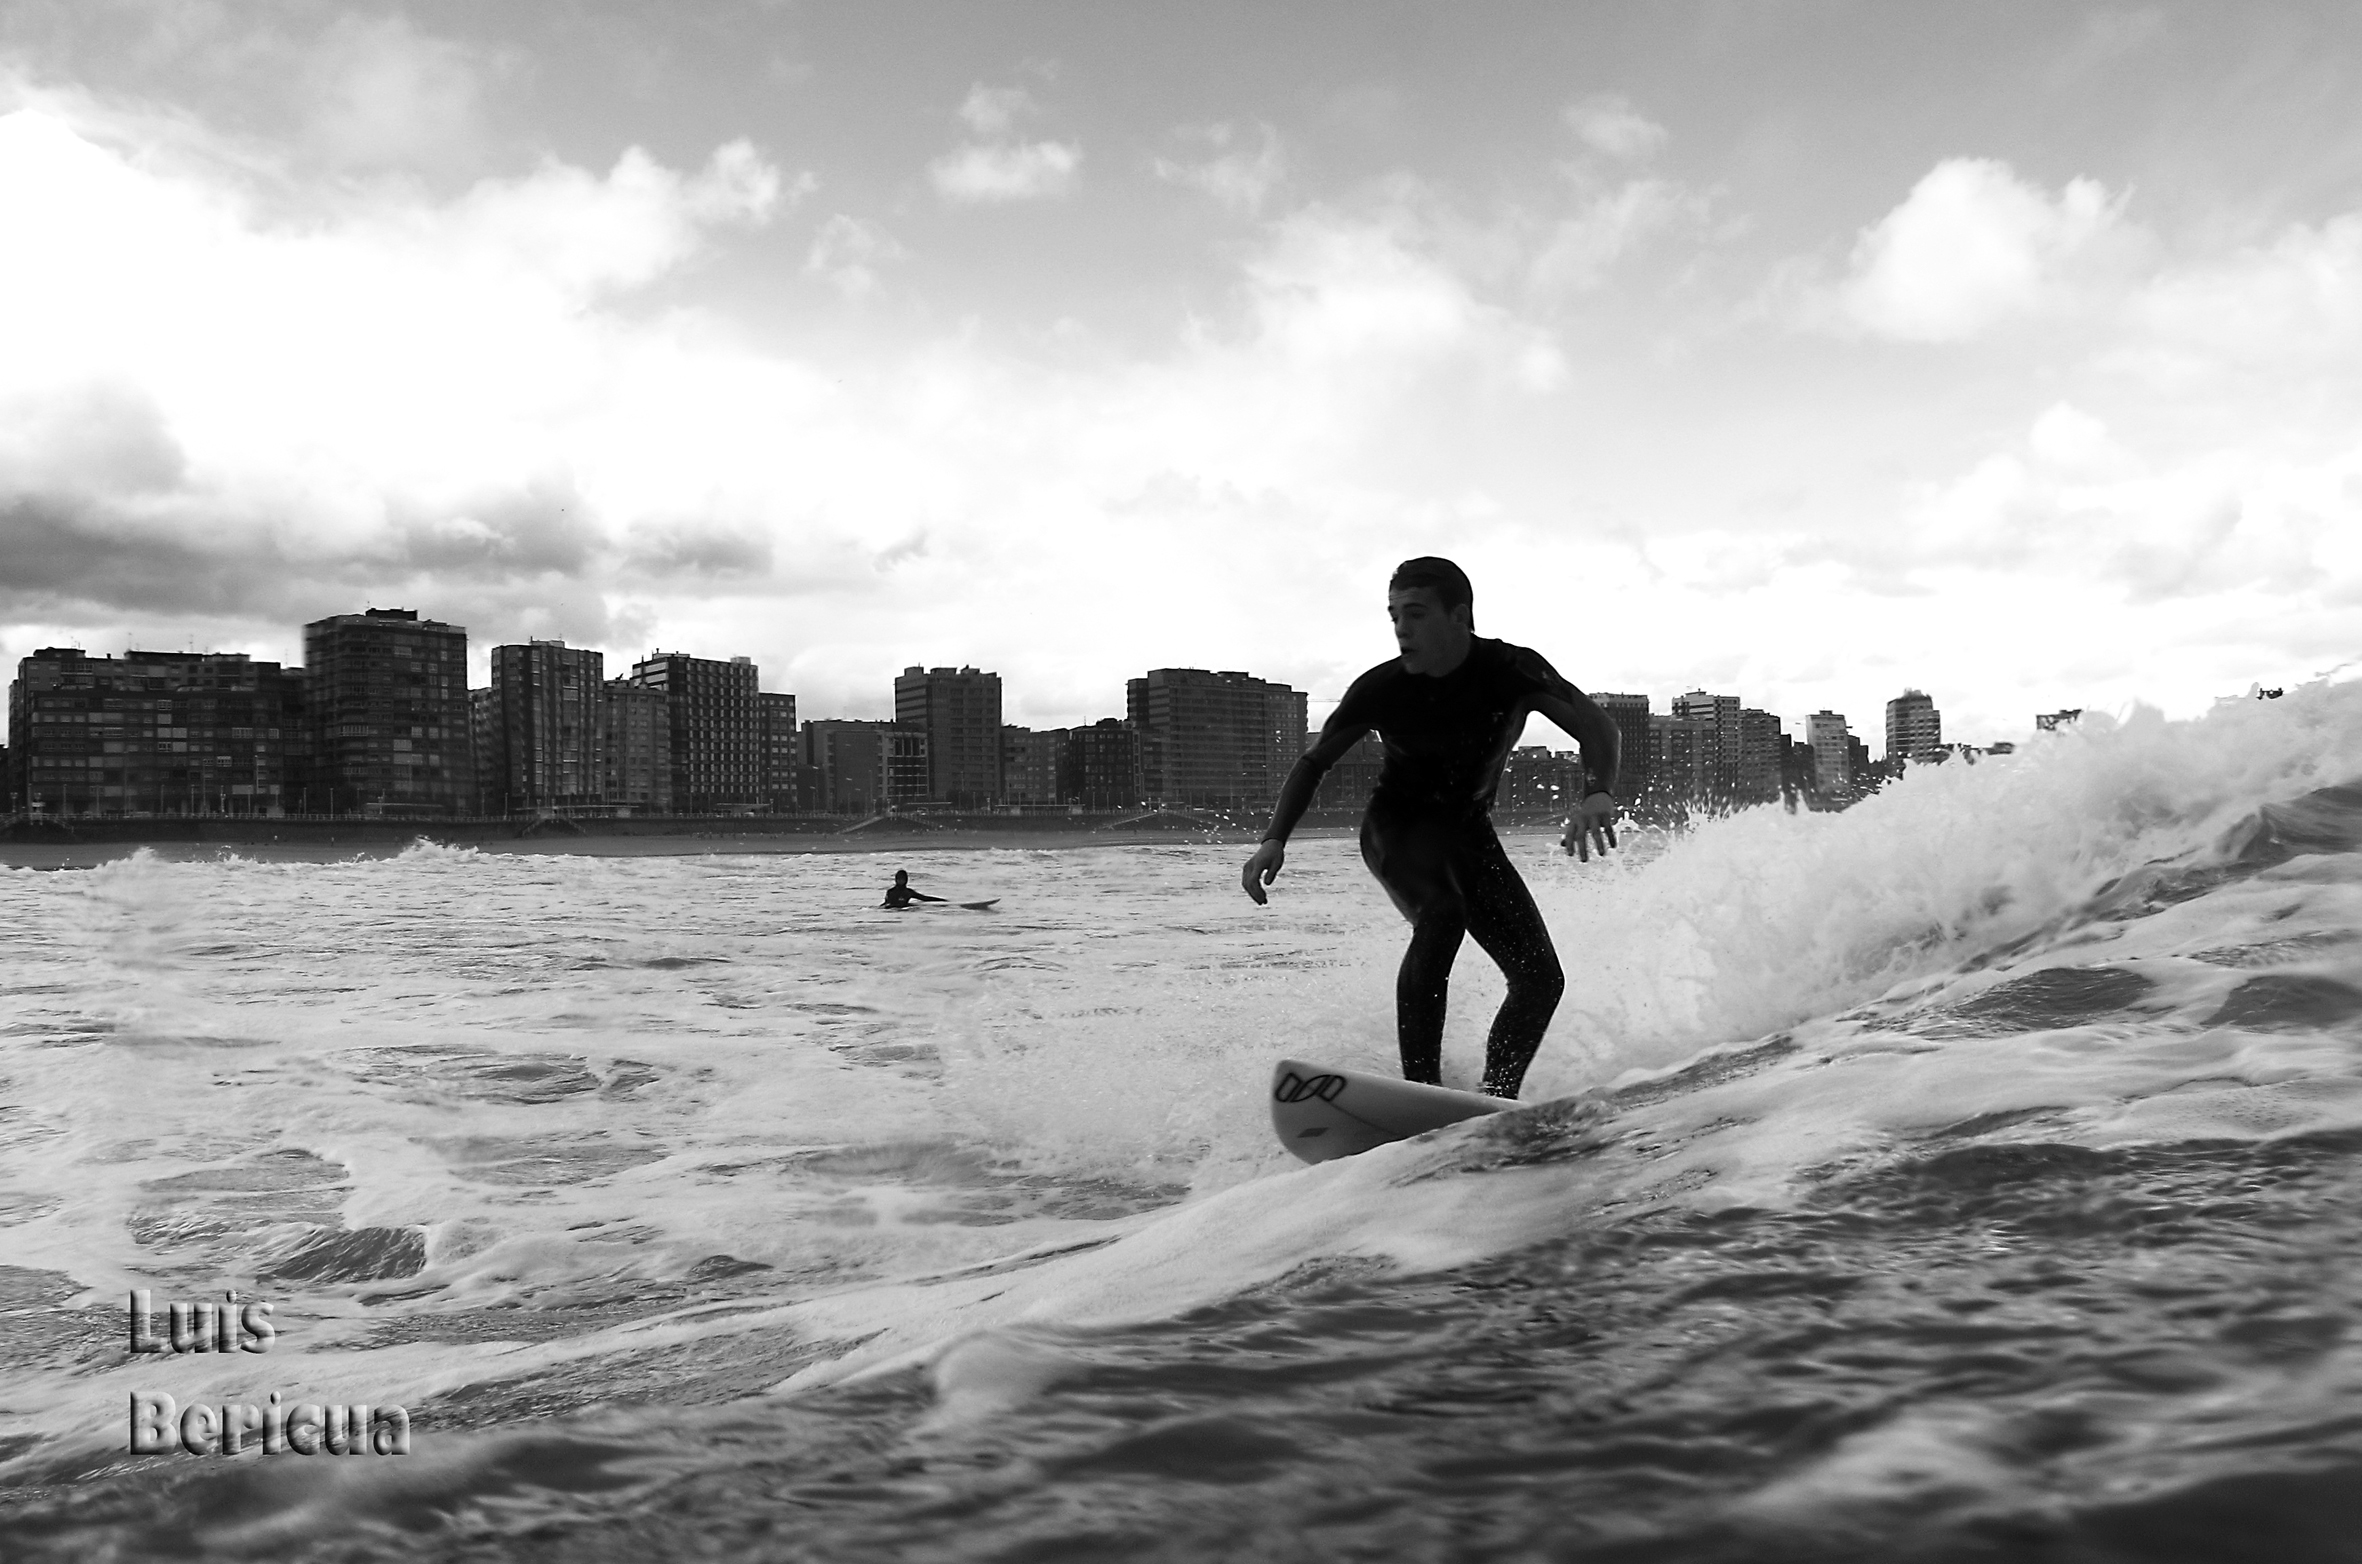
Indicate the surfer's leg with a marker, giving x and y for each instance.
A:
(1408, 859)
(1509, 928)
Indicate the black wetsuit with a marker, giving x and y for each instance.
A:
(1428, 837)
(901, 896)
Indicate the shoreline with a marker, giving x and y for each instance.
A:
(90, 844)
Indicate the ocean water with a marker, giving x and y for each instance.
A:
(1974, 1174)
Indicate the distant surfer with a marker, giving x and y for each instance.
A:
(1448, 710)
(899, 895)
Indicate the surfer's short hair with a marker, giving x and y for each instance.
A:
(1446, 580)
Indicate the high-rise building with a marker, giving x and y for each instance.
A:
(1763, 745)
(1214, 739)
(1718, 767)
(1029, 764)
(156, 733)
(1535, 776)
(714, 725)
(483, 717)
(1682, 760)
(959, 710)
(906, 764)
(1827, 733)
(781, 752)
(860, 768)
(1100, 768)
(1796, 769)
(1630, 714)
(388, 704)
(1354, 777)
(844, 757)
(549, 728)
(1914, 728)
(639, 747)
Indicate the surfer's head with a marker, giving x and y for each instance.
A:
(1434, 614)
(902, 877)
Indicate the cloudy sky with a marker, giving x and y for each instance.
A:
(1802, 351)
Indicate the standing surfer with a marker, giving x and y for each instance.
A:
(1448, 709)
(899, 895)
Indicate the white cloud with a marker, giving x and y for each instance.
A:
(2074, 504)
(1235, 176)
(1027, 171)
(218, 412)
(2072, 442)
(1971, 246)
(1607, 123)
(2297, 300)
(1003, 168)
(847, 253)
(1580, 249)
(992, 111)
(1335, 291)
(305, 385)
(382, 94)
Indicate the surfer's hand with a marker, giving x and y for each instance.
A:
(1263, 868)
(1593, 825)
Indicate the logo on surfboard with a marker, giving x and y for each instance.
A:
(1302, 1088)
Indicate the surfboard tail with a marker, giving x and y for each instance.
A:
(1320, 1113)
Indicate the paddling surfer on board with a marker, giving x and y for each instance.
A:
(899, 895)
(1448, 709)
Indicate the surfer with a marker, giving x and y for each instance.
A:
(899, 895)
(1448, 710)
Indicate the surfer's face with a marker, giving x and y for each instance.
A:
(1433, 638)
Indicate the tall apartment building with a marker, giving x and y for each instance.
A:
(1029, 764)
(1214, 739)
(1763, 753)
(548, 746)
(639, 747)
(1354, 777)
(1534, 776)
(1827, 733)
(1630, 714)
(387, 698)
(156, 733)
(714, 728)
(1100, 768)
(906, 765)
(959, 710)
(1914, 728)
(781, 752)
(861, 768)
(483, 717)
(1718, 768)
(1683, 760)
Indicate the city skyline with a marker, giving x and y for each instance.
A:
(384, 717)
(489, 656)
(1807, 349)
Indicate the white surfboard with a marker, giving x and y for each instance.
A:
(1321, 1113)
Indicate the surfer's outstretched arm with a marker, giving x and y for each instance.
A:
(1593, 822)
(1340, 733)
